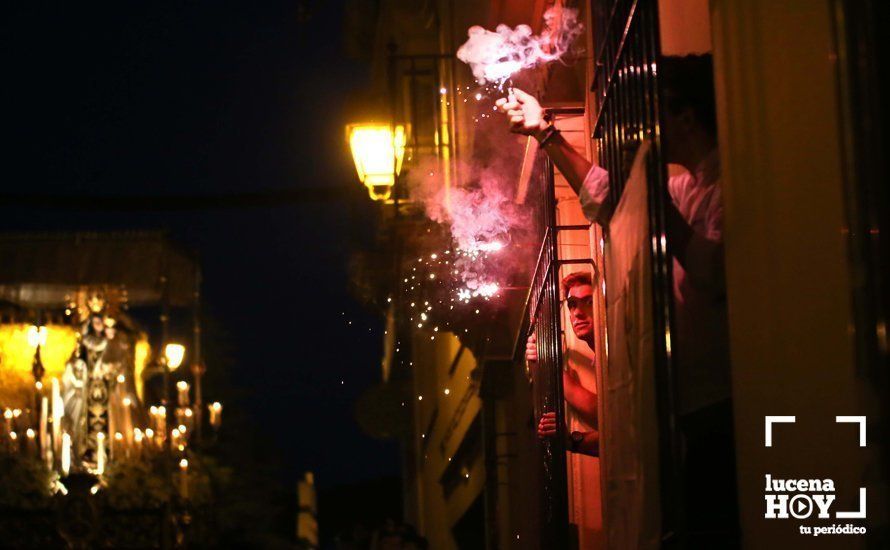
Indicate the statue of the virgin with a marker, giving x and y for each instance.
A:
(74, 396)
(94, 344)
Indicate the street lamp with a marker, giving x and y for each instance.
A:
(378, 150)
(174, 353)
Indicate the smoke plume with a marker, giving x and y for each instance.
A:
(494, 56)
(483, 222)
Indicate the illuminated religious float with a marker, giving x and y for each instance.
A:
(84, 392)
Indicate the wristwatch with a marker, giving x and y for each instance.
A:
(575, 440)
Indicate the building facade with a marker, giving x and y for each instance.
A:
(474, 472)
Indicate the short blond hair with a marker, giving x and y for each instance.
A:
(578, 278)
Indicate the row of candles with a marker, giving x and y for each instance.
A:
(54, 445)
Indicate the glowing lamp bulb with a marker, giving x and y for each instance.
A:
(378, 150)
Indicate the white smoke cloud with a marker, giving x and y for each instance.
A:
(494, 56)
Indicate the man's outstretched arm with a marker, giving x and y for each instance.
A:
(527, 118)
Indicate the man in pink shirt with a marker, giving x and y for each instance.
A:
(694, 230)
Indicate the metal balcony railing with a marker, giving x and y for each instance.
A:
(626, 87)
(542, 318)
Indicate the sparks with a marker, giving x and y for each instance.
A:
(487, 290)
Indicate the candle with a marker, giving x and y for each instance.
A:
(44, 413)
(128, 422)
(58, 413)
(118, 445)
(183, 437)
(100, 452)
(183, 478)
(13, 442)
(215, 409)
(182, 388)
(7, 417)
(162, 422)
(189, 418)
(66, 453)
(30, 442)
(137, 442)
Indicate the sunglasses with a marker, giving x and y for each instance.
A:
(574, 303)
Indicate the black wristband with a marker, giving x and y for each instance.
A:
(548, 135)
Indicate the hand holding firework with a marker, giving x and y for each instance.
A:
(526, 114)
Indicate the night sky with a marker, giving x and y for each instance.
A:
(149, 99)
